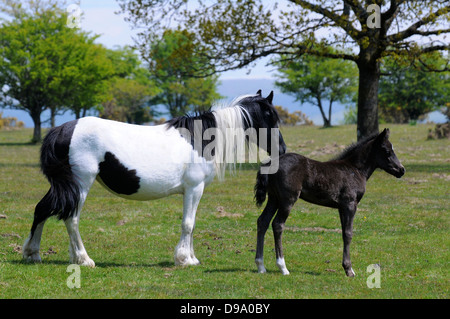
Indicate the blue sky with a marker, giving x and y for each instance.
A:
(100, 18)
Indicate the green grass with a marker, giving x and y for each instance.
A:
(401, 224)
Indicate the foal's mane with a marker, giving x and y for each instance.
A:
(355, 147)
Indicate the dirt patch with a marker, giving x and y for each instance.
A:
(221, 213)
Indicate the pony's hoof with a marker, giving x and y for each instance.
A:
(285, 272)
(88, 263)
(83, 261)
(186, 261)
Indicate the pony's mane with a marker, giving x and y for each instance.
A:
(352, 148)
(231, 120)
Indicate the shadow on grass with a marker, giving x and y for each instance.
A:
(162, 264)
(18, 144)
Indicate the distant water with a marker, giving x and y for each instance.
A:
(230, 89)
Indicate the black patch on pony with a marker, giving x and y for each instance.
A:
(64, 194)
(187, 122)
(117, 177)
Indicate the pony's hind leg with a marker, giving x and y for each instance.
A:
(77, 252)
(30, 249)
(263, 223)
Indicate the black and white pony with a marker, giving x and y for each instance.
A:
(181, 156)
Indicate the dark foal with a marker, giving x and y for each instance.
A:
(339, 183)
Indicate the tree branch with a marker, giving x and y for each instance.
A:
(413, 29)
(340, 20)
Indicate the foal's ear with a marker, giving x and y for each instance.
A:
(258, 93)
(383, 136)
(385, 133)
(270, 97)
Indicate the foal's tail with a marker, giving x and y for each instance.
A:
(64, 194)
(262, 181)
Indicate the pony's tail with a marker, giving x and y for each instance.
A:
(64, 194)
(262, 180)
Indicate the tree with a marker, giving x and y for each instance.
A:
(409, 93)
(44, 64)
(291, 119)
(172, 60)
(316, 80)
(130, 89)
(232, 34)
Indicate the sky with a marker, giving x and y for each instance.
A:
(100, 18)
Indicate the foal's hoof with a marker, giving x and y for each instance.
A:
(350, 273)
(33, 258)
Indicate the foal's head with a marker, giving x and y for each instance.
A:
(263, 115)
(385, 157)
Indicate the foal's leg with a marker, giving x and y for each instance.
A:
(347, 213)
(278, 227)
(184, 252)
(263, 223)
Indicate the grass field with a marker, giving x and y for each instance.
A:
(401, 224)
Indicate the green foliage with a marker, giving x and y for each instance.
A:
(172, 63)
(408, 93)
(130, 89)
(45, 64)
(9, 122)
(316, 80)
(291, 119)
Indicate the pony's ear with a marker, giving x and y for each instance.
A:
(258, 93)
(270, 97)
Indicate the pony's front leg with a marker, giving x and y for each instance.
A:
(346, 214)
(184, 252)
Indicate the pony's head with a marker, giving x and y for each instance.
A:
(385, 157)
(260, 114)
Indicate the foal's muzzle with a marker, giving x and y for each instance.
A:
(400, 172)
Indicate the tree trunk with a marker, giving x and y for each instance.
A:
(52, 116)
(369, 77)
(37, 138)
(326, 122)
